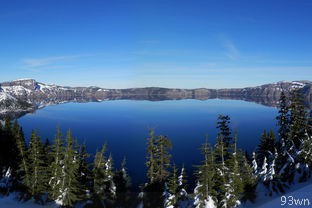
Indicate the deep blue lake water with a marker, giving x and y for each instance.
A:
(124, 125)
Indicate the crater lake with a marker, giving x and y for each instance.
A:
(124, 126)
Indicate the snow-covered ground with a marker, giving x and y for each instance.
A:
(299, 195)
(5, 96)
(12, 202)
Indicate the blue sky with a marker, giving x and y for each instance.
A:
(185, 44)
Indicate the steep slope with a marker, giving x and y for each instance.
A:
(9, 104)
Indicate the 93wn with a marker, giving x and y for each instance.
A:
(291, 201)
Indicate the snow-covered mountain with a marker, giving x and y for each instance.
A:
(8, 104)
(25, 95)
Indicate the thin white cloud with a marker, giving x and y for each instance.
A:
(48, 62)
(231, 51)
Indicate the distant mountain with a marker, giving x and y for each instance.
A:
(27, 95)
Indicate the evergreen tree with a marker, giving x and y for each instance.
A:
(254, 164)
(151, 157)
(6, 182)
(266, 147)
(69, 188)
(84, 173)
(291, 163)
(99, 182)
(221, 171)
(123, 185)
(182, 181)
(158, 164)
(47, 149)
(109, 175)
(15, 128)
(104, 187)
(7, 125)
(298, 119)
(234, 187)
(163, 145)
(224, 129)
(283, 119)
(15, 136)
(285, 146)
(306, 156)
(125, 175)
(248, 177)
(206, 177)
(57, 165)
(307, 150)
(24, 172)
(8, 148)
(171, 193)
(264, 170)
(38, 178)
(310, 123)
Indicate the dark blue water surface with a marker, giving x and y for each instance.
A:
(124, 125)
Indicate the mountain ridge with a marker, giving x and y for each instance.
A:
(25, 95)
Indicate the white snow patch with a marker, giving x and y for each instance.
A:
(23, 79)
(296, 85)
(5, 96)
(12, 202)
(16, 90)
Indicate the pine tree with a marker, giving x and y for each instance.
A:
(8, 148)
(104, 187)
(56, 167)
(47, 148)
(7, 125)
(306, 157)
(266, 147)
(84, 173)
(158, 164)
(109, 175)
(222, 171)
(285, 146)
(123, 185)
(125, 175)
(248, 177)
(163, 145)
(310, 123)
(69, 189)
(14, 157)
(24, 172)
(264, 170)
(291, 163)
(38, 177)
(206, 177)
(99, 182)
(234, 186)
(271, 171)
(182, 180)
(151, 157)
(224, 129)
(283, 119)
(171, 193)
(298, 119)
(6, 182)
(307, 150)
(254, 164)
